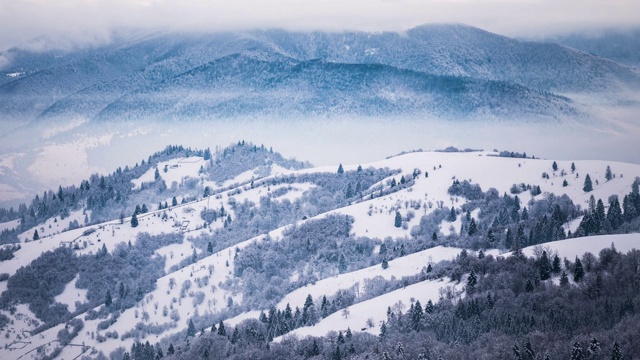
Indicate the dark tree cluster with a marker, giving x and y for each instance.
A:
(617, 218)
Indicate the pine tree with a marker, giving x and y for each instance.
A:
(564, 279)
(473, 228)
(565, 183)
(191, 329)
(588, 186)
(452, 215)
(134, 220)
(383, 329)
(594, 347)
(554, 166)
(171, 350)
(36, 236)
(472, 281)
(398, 220)
(213, 326)
(617, 353)
(416, 316)
(221, 330)
(429, 307)
(174, 201)
(349, 192)
(210, 247)
(528, 286)
(156, 175)
(340, 169)
(578, 271)
(573, 167)
(342, 264)
(309, 311)
(614, 215)
(608, 174)
(528, 349)
(107, 299)
(556, 264)
(576, 352)
(545, 266)
(385, 263)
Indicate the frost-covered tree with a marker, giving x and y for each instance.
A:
(191, 329)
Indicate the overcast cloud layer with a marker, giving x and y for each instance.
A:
(64, 23)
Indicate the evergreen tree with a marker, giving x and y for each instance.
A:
(156, 175)
(221, 330)
(191, 329)
(473, 228)
(472, 281)
(210, 248)
(171, 350)
(576, 352)
(342, 264)
(383, 329)
(134, 220)
(429, 307)
(565, 183)
(594, 347)
(349, 192)
(385, 263)
(398, 220)
(588, 186)
(554, 166)
(416, 316)
(213, 326)
(573, 167)
(144, 209)
(452, 215)
(614, 215)
(429, 268)
(545, 266)
(174, 201)
(36, 236)
(564, 279)
(617, 352)
(340, 169)
(608, 174)
(383, 249)
(528, 286)
(556, 264)
(309, 316)
(578, 271)
(107, 299)
(528, 349)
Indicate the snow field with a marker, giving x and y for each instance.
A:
(206, 295)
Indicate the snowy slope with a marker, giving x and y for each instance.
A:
(374, 218)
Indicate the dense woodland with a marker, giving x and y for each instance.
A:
(513, 308)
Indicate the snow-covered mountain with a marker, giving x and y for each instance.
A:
(209, 224)
(429, 70)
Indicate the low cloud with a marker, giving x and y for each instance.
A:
(65, 23)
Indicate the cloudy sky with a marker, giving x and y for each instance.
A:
(68, 22)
